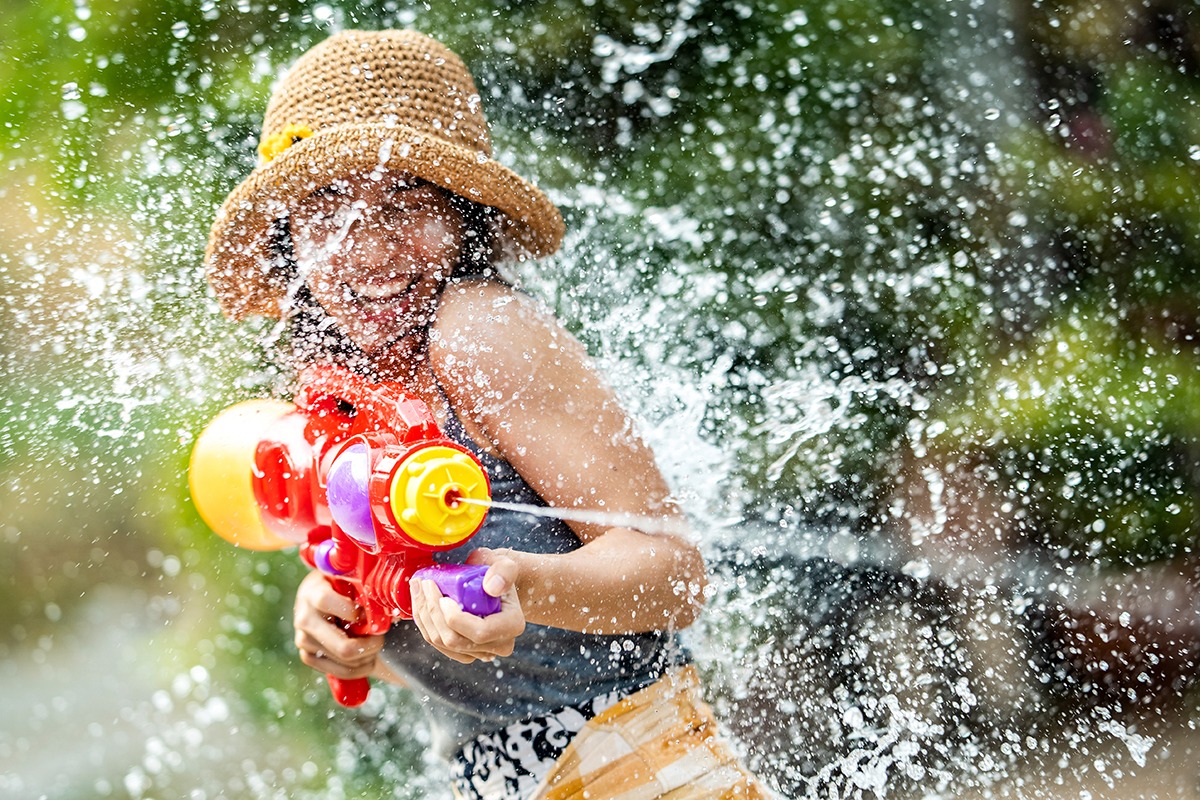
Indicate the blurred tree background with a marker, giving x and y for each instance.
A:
(930, 268)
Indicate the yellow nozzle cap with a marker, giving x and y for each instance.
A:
(219, 474)
(427, 493)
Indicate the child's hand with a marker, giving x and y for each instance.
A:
(465, 637)
(323, 643)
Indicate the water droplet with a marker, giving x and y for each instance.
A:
(180, 30)
(72, 110)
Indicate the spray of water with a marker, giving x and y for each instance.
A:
(646, 524)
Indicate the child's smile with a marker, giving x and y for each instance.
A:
(375, 251)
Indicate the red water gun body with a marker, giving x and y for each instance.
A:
(358, 475)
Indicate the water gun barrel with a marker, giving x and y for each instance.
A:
(430, 496)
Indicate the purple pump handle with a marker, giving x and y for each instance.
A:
(464, 585)
(322, 558)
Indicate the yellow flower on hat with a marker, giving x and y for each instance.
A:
(276, 143)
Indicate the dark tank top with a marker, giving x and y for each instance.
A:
(550, 668)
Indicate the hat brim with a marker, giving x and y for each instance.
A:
(238, 260)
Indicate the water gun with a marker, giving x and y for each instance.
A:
(359, 477)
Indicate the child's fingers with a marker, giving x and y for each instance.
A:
(334, 604)
(483, 632)
(316, 650)
(454, 643)
(328, 666)
(333, 641)
(484, 637)
(460, 635)
(438, 605)
(426, 599)
(502, 570)
(420, 613)
(355, 650)
(500, 577)
(342, 656)
(317, 593)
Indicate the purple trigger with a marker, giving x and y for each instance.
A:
(322, 558)
(464, 585)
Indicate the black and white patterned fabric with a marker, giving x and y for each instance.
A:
(510, 763)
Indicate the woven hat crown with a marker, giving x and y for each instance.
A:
(391, 77)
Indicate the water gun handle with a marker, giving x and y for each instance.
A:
(461, 582)
(464, 584)
(349, 692)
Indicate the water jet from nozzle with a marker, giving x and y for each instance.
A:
(639, 522)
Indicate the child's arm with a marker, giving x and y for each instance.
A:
(531, 388)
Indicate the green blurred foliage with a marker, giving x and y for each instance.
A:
(1089, 431)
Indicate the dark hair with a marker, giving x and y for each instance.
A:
(309, 335)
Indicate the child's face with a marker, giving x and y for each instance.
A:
(374, 252)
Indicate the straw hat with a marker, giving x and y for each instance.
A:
(358, 101)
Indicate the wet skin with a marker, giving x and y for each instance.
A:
(375, 253)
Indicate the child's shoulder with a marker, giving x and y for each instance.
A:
(486, 312)
(488, 332)
(465, 297)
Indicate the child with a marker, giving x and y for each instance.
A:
(371, 227)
